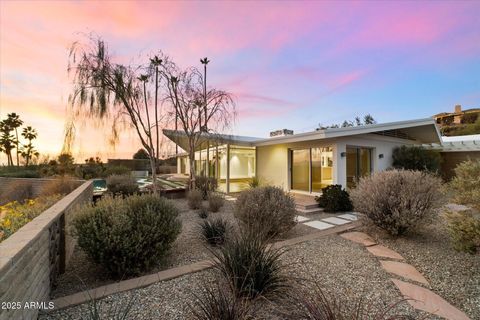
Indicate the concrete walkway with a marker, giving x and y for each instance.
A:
(329, 222)
(417, 296)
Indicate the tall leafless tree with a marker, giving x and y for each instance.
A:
(192, 102)
(107, 90)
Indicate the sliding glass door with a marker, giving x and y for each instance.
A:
(311, 169)
(359, 164)
(301, 169)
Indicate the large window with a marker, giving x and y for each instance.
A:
(312, 169)
(359, 164)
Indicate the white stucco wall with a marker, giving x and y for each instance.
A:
(273, 161)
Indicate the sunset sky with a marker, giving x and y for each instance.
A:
(289, 64)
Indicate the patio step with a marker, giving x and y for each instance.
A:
(306, 205)
(309, 211)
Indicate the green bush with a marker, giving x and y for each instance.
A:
(464, 229)
(124, 185)
(194, 199)
(128, 235)
(215, 201)
(466, 183)
(396, 200)
(416, 158)
(214, 231)
(20, 173)
(334, 199)
(267, 210)
(206, 185)
(203, 212)
(15, 215)
(116, 170)
(251, 266)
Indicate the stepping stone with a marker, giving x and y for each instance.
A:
(424, 299)
(335, 220)
(456, 207)
(404, 270)
(349, 216)
(301, 218)
(359, 237)
(318, 225)
(384, 252)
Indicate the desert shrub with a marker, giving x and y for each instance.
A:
(15, 215)
(215, 201)
(203, 212)
(206, 185)
(416, 158)
(312, 302)
(194, 199)
(129, 235)
(464, 229)
(251, 266)
(217, 302)
(466, 183)
(17, 191)
(334, 199)
(19, 173)
(396, 200)
(254, 183)
(118, 170)
(63, 185)
(214, 231)
(267, 210)
(124, 184)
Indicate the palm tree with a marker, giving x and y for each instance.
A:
(6, 140)
(205, 61)
(28, 150)
(155, 61)
(14, 122)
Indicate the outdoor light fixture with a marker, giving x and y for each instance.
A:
(343, 154)
(380, 156)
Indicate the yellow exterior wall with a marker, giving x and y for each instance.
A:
(272, 165)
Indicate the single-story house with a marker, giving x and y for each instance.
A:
(304, 162)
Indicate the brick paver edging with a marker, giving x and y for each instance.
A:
(140, 282)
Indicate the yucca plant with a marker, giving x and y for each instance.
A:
(214, 231)
(313, 303)
(251, 266)
(218, 302)
(203, 212)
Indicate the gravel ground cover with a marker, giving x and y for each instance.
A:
(340, 266)
(453, 275)
(82, 274)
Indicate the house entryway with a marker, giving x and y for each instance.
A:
(311, 169)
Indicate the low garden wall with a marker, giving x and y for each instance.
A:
(33, 257)
(36, 184)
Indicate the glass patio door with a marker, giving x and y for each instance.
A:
(301, 170)
(359, 164)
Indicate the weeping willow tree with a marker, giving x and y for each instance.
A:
(118, 93)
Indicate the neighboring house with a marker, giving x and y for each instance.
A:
(459, 122)
(305, 162)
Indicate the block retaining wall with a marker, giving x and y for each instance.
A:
(33, 257)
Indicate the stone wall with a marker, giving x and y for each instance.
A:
(32, 257)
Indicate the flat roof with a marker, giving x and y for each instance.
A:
(420, 130)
